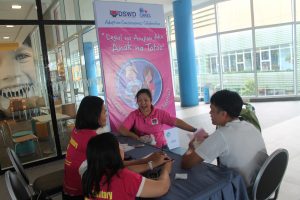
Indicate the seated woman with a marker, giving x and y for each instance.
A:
(90, 120)
(148, 120)
(107, 178)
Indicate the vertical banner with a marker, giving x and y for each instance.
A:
(134, 54)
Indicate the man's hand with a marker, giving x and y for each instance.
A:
(201, 135)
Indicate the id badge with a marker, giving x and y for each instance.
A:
(154, 121)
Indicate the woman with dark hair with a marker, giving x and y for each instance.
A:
(148, 120)
(106, 177)
(90, 120)
(91, 116)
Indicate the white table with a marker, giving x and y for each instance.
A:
(47, 118)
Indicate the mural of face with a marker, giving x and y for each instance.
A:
(17, 74)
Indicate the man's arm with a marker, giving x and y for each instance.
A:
(190, 159)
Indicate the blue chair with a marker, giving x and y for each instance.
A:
(25, 142)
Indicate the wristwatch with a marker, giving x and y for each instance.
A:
(150, 165)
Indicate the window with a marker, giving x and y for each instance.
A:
(248, 61)
(240, 62)
(213, 65)
(240, 8)
(286, 59)
(268, 12)
(204, 21)
(232, 63)
(275, 59)
(225, 63)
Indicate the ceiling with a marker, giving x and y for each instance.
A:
(28, 11)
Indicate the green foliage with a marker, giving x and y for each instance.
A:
(249, 88)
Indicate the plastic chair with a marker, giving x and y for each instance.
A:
(270, 175)
(47, 185)
(22, 137)
(16, 187)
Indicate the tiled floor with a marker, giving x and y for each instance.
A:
(280, 127)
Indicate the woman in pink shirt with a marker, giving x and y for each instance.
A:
(107, 178)
(148, 120)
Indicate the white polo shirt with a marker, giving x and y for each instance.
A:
(239, 145)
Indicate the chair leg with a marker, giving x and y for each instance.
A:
(39, 148)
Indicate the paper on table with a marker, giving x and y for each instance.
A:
(126, 147)
(172, 138)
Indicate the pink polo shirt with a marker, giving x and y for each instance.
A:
(151, 124)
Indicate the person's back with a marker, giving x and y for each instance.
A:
(91, 115)
(245, 148)
(76, 154)
(125, 185)
(107, 178)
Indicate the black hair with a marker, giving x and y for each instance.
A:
(144, 91)
(229, 101)
(88, 113)
(103, 162)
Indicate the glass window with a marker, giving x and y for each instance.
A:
(258, 66)
(276, 74)
(268, 12)
(238, 46)
(286, 59)
(70, 15)
(232, 63)
(248, 61)
(214, 65)
(90, 41)
(206, 51)
(297, 10)
(204, 21)
(275, 59)
(298, 56)
(23, 95)
(240, 8)
(22, 10)
(225, 63)
(86, 10)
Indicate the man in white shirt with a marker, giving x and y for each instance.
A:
(238, 144)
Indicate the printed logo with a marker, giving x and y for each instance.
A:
(113, 13)
(117, 13)
(154, 121)
(144, 13)
(168, 134)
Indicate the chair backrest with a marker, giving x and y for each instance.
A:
(69, 109)
(14, 127)
(17, 164)
(17, 188)
(270, 175)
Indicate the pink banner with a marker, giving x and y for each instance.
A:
(135, 58)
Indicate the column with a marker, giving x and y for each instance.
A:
(90, 68)
(183, 21)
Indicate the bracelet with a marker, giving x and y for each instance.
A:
(150, 165)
